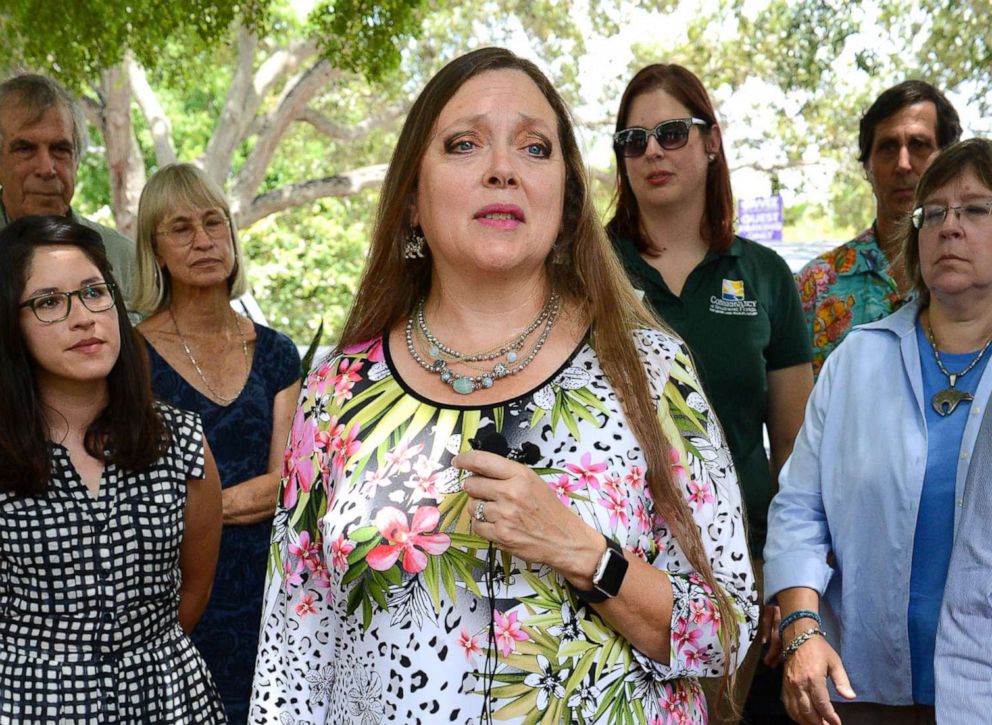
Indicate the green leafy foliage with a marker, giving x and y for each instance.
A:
(78, 40)
(815, 65)
(363, 36)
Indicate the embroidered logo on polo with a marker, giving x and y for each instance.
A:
(731, 300)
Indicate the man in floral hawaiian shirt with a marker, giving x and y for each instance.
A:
(857, 282)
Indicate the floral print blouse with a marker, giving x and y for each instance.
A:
(378, 606)
(847, 286)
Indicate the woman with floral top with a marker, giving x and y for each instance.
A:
(545, 528)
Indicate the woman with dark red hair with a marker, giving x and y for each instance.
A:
(733, 301)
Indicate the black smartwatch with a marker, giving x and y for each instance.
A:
(608, 577)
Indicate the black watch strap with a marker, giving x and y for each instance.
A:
(608, 576)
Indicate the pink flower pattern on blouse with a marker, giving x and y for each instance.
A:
(373, 553)
(409, 540)
(508, 632)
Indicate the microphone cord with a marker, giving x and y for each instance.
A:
(528, 454)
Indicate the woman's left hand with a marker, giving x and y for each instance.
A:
(524, 517)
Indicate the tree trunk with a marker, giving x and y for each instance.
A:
(124, 161)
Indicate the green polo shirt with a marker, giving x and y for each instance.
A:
(740, 315)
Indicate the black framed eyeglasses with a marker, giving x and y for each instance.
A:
(933, 215)
(56, 306)
(670, 135)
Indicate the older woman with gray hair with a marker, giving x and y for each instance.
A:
(868, 517)
(241, 377)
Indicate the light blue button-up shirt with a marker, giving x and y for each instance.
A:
(852, 488)
(963, 663)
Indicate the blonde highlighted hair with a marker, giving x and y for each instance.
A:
(172, 187)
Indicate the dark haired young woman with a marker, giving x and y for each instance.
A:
(109, 503)
(733, 301)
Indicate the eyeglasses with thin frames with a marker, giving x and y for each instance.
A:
(670, 135)
(974, 213)
(56, 306)
(214, 224)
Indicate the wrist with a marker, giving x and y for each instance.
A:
(582, 560)
(608, 578)
(796, 621)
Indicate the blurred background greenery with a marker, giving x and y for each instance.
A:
(295, 106)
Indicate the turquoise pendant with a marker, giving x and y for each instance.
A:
(463, 386)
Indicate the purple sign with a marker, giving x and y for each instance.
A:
(761, 218)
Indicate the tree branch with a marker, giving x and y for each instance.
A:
(245, 96)
(92, 109)
(352, 132)
(158, 122)
(216, 157)
(292, 195)
(274, 128)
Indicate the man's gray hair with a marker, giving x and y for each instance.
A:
(36, 94)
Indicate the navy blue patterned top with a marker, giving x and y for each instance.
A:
(240, 436)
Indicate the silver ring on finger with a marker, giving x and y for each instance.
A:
(480, 512)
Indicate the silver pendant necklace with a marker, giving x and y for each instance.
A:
(946, 400)
(442, 355)
(196, 366)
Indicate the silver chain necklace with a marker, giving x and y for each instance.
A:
(510, 349)
(946, 400)
(189, 353)
(467, 384)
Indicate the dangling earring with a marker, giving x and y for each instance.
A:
(414, 247)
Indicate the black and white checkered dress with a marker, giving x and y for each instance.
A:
(89, 594)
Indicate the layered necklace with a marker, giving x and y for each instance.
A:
(497, 362)
(223, 400)
(946, 400)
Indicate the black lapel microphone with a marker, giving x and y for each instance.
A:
(527, 453)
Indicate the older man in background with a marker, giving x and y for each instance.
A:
(863, 280)
(42, 136)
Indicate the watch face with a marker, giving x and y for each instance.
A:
(613, 573)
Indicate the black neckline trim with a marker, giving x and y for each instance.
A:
(583, 343)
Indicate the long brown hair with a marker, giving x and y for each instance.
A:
(128, 432)
(583, 269)
(717, 224)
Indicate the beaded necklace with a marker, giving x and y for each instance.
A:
(442, 355)
(946, 400)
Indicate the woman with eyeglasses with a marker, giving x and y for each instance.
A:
(109, 503)
(733, 301)
(242, 378)
(872, 532)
